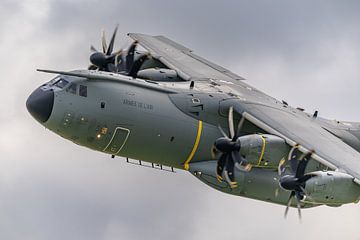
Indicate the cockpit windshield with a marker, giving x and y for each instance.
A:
(61, 83)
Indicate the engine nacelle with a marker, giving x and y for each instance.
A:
(263, 149)
(332, 188)
(159, 74)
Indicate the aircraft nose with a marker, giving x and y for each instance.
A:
(40, 104)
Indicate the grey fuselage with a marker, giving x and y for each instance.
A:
(169, 124)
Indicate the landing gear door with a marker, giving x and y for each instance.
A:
(117, 141)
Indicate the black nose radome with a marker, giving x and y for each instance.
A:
(40, 104)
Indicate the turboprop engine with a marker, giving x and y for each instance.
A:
(247, 151)
(159, 74)
(263, 149)
(331, 188)
(236, 149)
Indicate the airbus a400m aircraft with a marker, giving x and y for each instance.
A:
(167, 106)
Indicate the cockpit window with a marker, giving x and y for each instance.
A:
(72, 88)
(83, 91)
(54, 80)
(61, 83)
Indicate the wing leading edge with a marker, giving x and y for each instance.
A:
(175, 56)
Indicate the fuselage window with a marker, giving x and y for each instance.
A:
(72, 88)
(61, 83)
(83, 91)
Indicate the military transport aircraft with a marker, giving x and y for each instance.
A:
(170, 107)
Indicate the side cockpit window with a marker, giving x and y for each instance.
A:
(61, 83)
(72, 88)
(83, 91)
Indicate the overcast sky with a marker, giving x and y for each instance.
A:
(306, 52)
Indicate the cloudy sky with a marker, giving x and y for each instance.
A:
(306, 52)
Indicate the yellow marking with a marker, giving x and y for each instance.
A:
(281, 163)
(104, 130)
(196, 145)
(322, 203)
(267, 167)
(233, 185)
(262, 149)
(248, 167)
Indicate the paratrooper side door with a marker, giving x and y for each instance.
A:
(117, 141)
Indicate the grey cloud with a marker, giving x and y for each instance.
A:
(305, 52)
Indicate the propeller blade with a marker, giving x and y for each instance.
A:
(137, 65)
(103, 41)
(220, 167)
(93, 49)
(240, 162)
(111, 44)
(293, 157)
(298, 205)
(281, 167)
(239, 127)
(289, 203)
(229, 172)
(92, 67)
(306, 177)
(307, 196)
(222, 131)
(303, 161)
(299, 209)
(246, 167)
(277, 192)
(116, 61)
(117, 58)
(118, 52)
(130, 56)
(231, 122)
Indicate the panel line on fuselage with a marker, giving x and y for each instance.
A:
(196, 145)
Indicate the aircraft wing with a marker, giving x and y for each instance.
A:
(262, 110)
(302, 129)
(175, 56)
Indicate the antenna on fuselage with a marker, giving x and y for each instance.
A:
(192, 84)
(315, 114)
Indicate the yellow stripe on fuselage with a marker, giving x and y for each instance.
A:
(196, 145)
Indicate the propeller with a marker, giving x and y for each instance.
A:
(106, 60)
(295, 182)
(229, 146)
